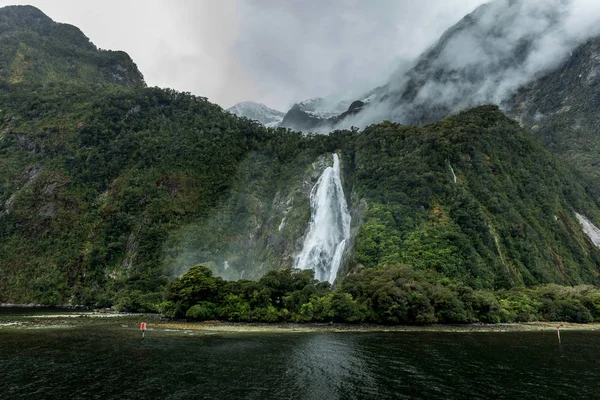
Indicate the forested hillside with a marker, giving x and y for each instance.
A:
(94, 181)
(475, 198)
(110, 192)
(37, 49)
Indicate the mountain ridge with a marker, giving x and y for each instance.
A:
(484, 58)
(41, 51)
(258, 112)
(108, 191)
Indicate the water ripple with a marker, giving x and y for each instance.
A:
(111, 363)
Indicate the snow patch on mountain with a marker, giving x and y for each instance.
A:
(324, 108)
(483, 59)
(258, 112)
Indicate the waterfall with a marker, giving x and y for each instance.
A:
(329, 227)
(592, 232)
(497, 241)
(452, 170)
(282, 224)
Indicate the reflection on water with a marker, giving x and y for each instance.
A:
(326, 366)
(107, 361)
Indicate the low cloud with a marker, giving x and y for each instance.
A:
(282, 52)
(498, 48)
(300, 49)
(270, 51)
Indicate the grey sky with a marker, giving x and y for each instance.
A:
(272, 51)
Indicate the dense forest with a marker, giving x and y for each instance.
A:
(392, 295)
(113, 193)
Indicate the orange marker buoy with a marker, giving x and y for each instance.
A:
(143, 329)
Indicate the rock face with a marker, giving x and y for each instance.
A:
(266, 216)
(258, 112)
(301, 120)
(561, 108)
(317, 115)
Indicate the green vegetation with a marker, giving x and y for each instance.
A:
(393, 295)
(109, 190)
(36, 49)
(507, 221)
(96, 179)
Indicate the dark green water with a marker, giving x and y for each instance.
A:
(108, 361)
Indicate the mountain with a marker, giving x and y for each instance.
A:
(36, 49)
(473, 196)
(105, 194)
(109, 190)
(561, 109)
(257, 112)
(484, 59)
(321, 115)
(541, 74)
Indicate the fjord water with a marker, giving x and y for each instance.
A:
(329, 226)
(105, 360)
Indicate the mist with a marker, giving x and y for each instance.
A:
(483, 59)
(301, 49)
(269, 51)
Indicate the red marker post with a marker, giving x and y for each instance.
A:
(143, 329)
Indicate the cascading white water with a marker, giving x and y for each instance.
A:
(591, 230)
(502, 259)
(329, 227)
(453, 174)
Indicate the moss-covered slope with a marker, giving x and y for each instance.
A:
(37, 49)
(474, 198)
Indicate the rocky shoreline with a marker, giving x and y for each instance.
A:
(313, 327)
(158, 322)
(35, 305)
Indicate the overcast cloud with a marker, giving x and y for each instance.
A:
(484, 60)
(272, 51)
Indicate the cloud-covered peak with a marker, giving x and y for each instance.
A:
(257, 112)
(483, 59)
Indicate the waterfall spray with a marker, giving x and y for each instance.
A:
(329, 227)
